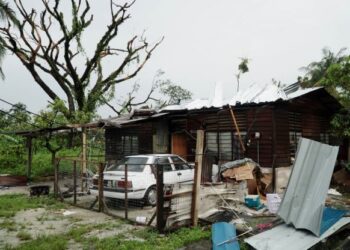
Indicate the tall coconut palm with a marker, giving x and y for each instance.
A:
(316, 71)
(6, 15)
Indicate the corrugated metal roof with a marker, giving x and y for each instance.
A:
(303, 202)
(288, 238)
(254, 94)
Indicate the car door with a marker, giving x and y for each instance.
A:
(183, 170)
(170, 176)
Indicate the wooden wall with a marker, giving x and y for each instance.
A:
(309, 115)
(113, 147)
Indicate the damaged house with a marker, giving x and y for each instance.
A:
(269, 120)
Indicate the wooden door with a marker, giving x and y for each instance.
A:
(179, 145)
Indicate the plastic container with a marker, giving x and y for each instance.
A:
(273, 202)
(252, 201)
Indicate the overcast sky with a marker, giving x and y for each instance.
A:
(204, 40)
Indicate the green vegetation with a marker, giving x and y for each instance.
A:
(82, 235)
(333, 73)
(23, 235)
(52, 242)
(11, 204)
(148, 239)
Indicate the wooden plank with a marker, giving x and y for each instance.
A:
(74, 182)
(197, 177)
(83, 156)
(237, 128)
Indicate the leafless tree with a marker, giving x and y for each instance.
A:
(61, 55)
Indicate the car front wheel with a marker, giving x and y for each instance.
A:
(151, 196)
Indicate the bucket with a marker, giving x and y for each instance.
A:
(273, 202)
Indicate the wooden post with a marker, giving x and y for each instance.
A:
(83, 162)
(237, 128)
(30, 157)
(100, 187)
(160, 198)
(55, 186)
(274, 147)
(197, 177)
(126, 190)
(75, 182)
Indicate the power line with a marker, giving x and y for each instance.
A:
(18, 119)
(30, 112)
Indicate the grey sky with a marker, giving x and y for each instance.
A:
(204, 40)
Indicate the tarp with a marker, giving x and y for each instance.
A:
(303, 203)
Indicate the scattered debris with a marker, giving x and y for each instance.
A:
(68, 213)
(253, 201)
(342, 178)
(303, 204)
(288, 238)
(273, 202)
(141, 219)
(38, 190)
(333, 191)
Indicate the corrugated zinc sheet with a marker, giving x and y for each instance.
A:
(288, 238)
(303, 202)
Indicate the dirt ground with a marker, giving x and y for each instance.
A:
(40, 221)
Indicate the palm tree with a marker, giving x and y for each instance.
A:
(316, 71)
(6, 14)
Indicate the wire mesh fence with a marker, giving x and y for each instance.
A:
(155, 190)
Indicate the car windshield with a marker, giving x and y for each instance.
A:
(135, 164)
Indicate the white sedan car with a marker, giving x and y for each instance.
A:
(141, 183)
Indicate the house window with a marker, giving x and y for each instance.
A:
(224, 145)
(324, 137)
(237, 148)
(293, 142)
(130, 145)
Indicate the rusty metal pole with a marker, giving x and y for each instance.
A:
(126, 190)
(160, 198)
(75, 182)
(100, 187)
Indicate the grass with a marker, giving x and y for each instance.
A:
(146, 239)
(11, 204)
(53, 242)
(8, 224)
(151, 240)
(23, 235)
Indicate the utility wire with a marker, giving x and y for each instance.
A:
(18, 119)
(30, 112)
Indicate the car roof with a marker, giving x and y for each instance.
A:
(152, 155)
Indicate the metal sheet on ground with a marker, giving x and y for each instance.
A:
(288, 238)
(303, 203)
